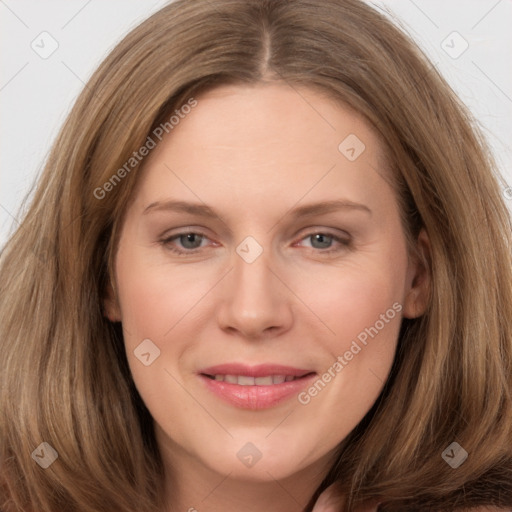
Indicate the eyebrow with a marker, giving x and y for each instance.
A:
(308, 210)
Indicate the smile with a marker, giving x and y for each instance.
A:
(246, 380)
(255, 387)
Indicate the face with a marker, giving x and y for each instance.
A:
(261, 277)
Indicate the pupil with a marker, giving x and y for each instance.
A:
(189, 238)
(323, 239)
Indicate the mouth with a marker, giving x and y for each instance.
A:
(247, 380)
(255, 387)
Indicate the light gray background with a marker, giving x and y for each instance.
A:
(36, 93)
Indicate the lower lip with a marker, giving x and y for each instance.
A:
(256, 397)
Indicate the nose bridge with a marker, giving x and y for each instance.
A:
(254, 302)
(252, 278)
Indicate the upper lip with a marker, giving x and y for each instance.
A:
(260, 370)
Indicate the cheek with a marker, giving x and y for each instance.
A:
(155, 302)
(365, 304)
(364, 315)
(154, 297)
(351, 299)
(161, 303)
(362, 309)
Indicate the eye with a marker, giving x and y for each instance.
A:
(190, 242)
(323, 241)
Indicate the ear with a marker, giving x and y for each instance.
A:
(111, 309)
(418, 279)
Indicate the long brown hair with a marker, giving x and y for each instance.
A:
(65, 378)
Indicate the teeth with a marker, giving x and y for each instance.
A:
(263, 381)
(245, 380)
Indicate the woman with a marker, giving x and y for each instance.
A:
(338, 334)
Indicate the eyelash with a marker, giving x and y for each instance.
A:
(167, 241)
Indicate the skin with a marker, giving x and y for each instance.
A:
(253, 153)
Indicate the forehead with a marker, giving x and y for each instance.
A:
(266, 140)
(274, 114)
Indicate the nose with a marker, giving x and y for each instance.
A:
(256, 304)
